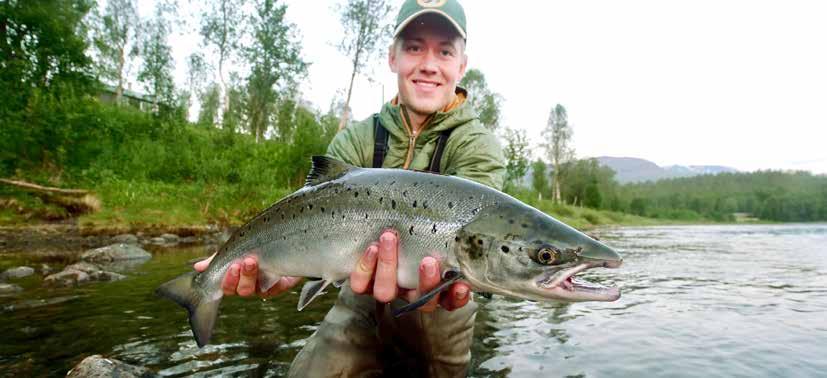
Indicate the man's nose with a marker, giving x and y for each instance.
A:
(428, 64)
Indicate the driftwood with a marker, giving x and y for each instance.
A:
(75, 201)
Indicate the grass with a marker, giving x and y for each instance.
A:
(129, 206)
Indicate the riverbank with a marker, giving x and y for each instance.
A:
(151, 209)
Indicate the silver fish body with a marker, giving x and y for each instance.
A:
(322, 230)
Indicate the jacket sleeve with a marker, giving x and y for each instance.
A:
(353, 145)
(478, 156)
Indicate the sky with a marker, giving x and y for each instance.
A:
(735, 83)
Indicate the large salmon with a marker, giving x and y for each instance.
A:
(486, 237)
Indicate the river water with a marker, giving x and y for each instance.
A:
(698, 301)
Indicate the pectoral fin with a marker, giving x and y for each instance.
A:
(448, 279)
(266, 280)
(310, 291)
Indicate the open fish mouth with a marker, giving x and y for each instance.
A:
(565, 285)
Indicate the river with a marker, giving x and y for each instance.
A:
(698, 301)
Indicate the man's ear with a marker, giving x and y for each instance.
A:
(463, 65)
(392, 57)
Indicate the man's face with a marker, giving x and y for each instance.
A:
(428, 64)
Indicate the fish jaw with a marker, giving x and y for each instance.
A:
(563, 285)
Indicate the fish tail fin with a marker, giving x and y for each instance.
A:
(202, 310)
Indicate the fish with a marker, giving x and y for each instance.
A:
(491, 240)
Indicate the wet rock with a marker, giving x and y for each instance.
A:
(45, 269)
(9, 288)
(159, 241)
(35, 303)
(98, 366)
(170, 238)
(84, 267)
(66, 278)
(189, 240)
(115, 252)
(15, 273)
(125, 239)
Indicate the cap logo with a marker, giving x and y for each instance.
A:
(431, 3)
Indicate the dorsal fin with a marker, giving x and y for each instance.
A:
(325, 169)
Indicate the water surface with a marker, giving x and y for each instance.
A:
(698, 301)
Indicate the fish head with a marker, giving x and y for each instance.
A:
(515, 250)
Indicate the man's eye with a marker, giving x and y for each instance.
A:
(447, 53)
(413, 49)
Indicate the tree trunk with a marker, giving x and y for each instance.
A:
(121, 63)
(346, 114)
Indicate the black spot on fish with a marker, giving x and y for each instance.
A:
(410, 230)
(323, 209)
(266, 219)
(284, 238)
(310, 207)
(475, 211)
(380, 199)
(241, 234)
(521, 249)
(450, 205)
(424, 204)
(305, 230)
(446, 245)
(301, 210)
(504, 249)
(456, 238)
(414, 203)
(343, 216)
(366, 215)
(404, 193)
(470, 197)
(367, 192)
(524, 225)
(415, 183)
(355, 194)
(479, 241)
(392, 182)
(349, 189)
(393, 204)
(336, 191)
(510, 221)
(293, 215)
(282, 216)
(433, 229)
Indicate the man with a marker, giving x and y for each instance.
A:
(359, 336)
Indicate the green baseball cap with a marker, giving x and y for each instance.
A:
(450, 9)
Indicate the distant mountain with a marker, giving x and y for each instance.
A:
(638, 170)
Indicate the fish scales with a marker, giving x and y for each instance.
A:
(491, 240)
(338, 220)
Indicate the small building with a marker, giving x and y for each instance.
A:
(137, 100)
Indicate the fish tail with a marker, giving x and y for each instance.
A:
(202, 309)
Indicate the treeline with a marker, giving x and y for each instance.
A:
(766, 195)
(55, 128)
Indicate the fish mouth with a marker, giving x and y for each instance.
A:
(563, 284)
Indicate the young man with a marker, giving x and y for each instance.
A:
(358, 335)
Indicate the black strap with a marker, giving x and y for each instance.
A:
(440, 148)
(380, 144)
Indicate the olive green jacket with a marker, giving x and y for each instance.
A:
(472, 151)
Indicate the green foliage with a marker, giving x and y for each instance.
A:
(115, 40)
(516, 156)
(539, 178)
(276, 63)
(486, 102)
(156, 72)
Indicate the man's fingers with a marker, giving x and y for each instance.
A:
(384, 286)
(249, 276)
(456, 296)
(230, 281)
(428, 279)
(361, 277)
(203, 264)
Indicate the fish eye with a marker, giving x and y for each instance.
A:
(547, 255)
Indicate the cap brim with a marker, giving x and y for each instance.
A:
(424, 11)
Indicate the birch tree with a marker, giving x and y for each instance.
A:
(484, 101)
(221, 28)
(559, 151)
(366, 31)
(116, 40)
(516, 156)
(156, 71)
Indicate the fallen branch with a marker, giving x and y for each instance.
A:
(75, 201)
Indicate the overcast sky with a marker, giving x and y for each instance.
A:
(735, 83)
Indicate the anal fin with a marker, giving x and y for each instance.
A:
(310, 291)
(266, 280)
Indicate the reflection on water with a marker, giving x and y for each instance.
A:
(697, 301)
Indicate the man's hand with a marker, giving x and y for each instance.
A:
(242, 279)
(376, 273)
